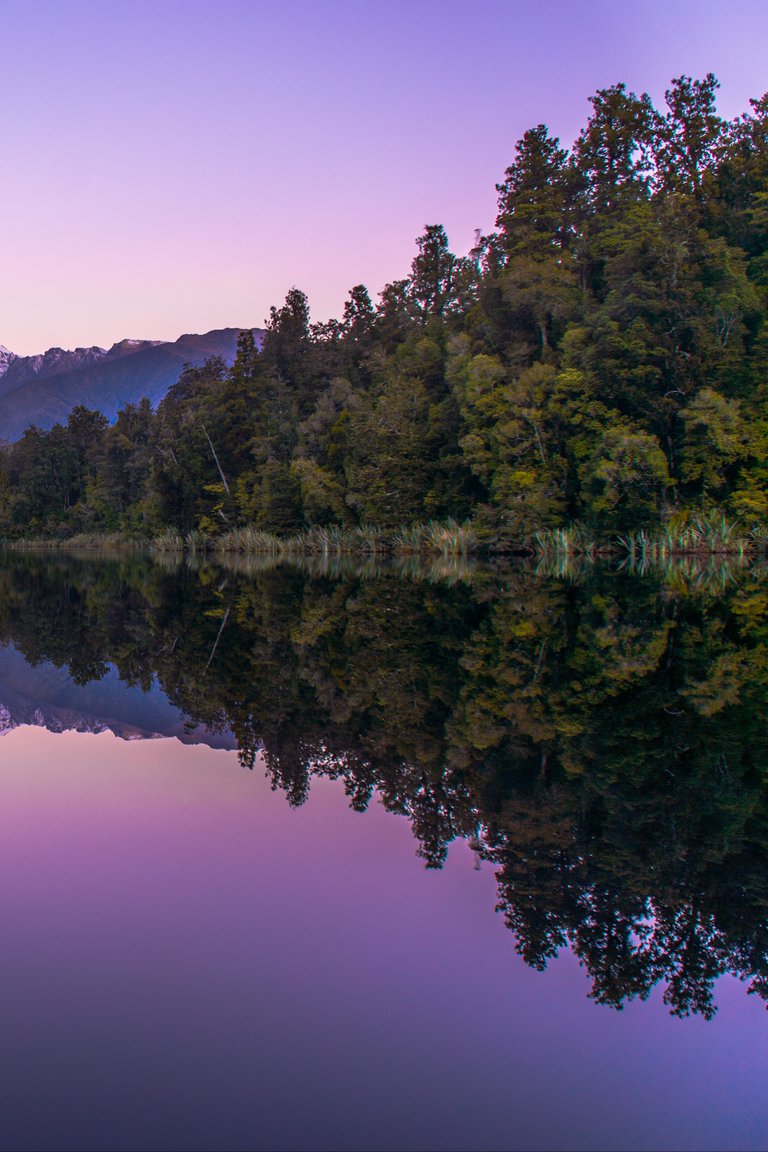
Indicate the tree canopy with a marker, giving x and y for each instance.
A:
(600, 357)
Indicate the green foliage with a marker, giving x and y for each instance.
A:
(602, 357)
(715, 439)
(388, 472)
(625, 479)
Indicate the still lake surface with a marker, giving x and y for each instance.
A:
(337, 858)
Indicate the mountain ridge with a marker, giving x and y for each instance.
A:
(43, 389)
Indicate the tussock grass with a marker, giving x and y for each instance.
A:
(709, 534)
(447, 538)
(713, 534)
(82, 542)
(168, 540)
(574, 540)
(197, 543)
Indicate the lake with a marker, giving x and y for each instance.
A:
(338, 857)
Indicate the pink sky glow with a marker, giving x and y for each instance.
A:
(173, 168)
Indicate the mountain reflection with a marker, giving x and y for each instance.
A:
(600, 740)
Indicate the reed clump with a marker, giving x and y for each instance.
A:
(573, 540)
(446, 538)
(709, 534)
(169, 540)
(198, 543)
(712, 534)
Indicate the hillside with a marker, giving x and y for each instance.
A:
(44, 389)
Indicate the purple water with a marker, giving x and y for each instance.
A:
(188, 963)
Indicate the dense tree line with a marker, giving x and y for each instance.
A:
(602, 356)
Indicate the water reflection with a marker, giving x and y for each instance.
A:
(599, 739)
(433, 569)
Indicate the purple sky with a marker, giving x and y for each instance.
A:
(188, 963)
(174, 167)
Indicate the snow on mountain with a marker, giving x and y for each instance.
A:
(44, 389)
(6, 359)
(21, 369)
(123, 347)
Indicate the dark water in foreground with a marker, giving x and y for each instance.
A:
(254, 827)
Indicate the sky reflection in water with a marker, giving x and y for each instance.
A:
(189, 963)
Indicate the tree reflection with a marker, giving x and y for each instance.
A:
(600, 741)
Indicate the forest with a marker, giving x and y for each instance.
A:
(600, 359)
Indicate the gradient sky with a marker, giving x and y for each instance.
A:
(174, 167)
(189, 963)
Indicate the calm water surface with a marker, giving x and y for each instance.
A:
(336, 860)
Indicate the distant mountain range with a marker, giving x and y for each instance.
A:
(44, 389)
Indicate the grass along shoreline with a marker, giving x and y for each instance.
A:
(713, 534)
(448, 538)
